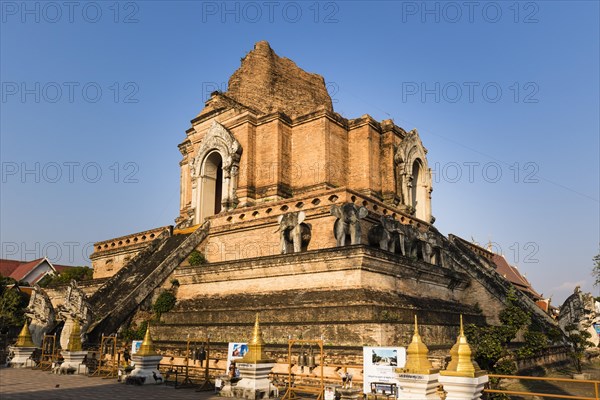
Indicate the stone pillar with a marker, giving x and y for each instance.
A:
(462, 379)
(23, 350)
(146, 362)
(418, 379)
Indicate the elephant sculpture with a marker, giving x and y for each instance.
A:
(390, 235)
(348, 222)
(384, 234)
(419, 245)
(413, 243)
(294, 233)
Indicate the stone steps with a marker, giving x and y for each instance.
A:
(122, 294)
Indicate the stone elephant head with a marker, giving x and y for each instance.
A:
(294, 233)
(348, 222)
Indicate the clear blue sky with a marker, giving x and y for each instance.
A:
(493, 88)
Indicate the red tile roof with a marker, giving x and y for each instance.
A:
(543, 304)
(61, 268)
(25, 268)
(7, 267)
(513, 275)
(19, 270)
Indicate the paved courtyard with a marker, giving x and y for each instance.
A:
(27, 384)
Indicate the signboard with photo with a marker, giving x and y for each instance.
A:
(379, 364)
(235, 352)
(135, 346)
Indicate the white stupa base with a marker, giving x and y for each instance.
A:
(22, 358)
(73, 361)
(463, 388)
(254, 382)
(147, 367)
(418, 386)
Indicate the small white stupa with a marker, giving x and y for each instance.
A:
(146, 361)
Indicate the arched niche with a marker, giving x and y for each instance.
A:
(419, 189)
(212, 185)
(214, 171)
(413, 176)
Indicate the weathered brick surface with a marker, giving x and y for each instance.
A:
(269, 83)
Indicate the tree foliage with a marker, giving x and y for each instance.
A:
(12, 304)
(196, 258)
(134, 332)
(164, 303)
(73, 273)
(596, 270)
(492, 343)
(579, 341)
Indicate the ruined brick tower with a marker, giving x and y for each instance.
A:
(321, 223)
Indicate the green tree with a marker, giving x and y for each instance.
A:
(596, 269)
(579, 341)
(492, 343)
(12, 304)
(164, 303)
(73, 273)
(134, 332)
(196, 258)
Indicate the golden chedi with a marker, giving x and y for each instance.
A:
(417, 361)
(256, 352)
(461, 361)
(75, 338)
(147, 346)
(24, 338)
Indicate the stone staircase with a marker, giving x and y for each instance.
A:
(118, 298)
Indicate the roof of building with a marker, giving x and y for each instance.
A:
(25, 268)
(24, 289)
(60, 268)
(512, 274)
(507, 271)
(19, 270)
(7, 267)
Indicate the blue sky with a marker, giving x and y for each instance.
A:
(505, 95)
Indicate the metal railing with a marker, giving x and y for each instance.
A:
(596, 385)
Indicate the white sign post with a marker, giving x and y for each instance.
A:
(379, 364)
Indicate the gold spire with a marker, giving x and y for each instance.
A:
(256, 353)
(257, 333)
(24, 338)
(462, 363)
(75, 337)
(416, 356)
(147, 347)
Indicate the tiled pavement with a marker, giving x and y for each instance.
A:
(27, 384)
